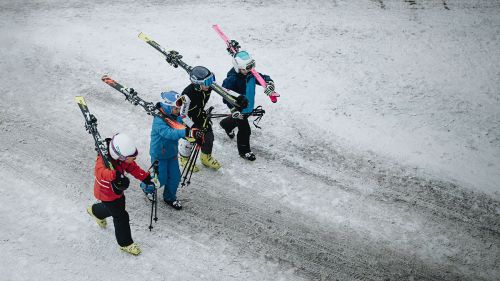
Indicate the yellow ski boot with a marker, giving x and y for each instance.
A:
(132, 249)
(209, 161)
(102, 223)
(184, 161)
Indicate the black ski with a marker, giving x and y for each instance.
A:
(91, 126)
(150, 108)
(174, 59)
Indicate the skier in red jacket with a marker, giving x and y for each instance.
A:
(110, 184)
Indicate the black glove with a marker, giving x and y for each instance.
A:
(120, 183)
(242, 102)
(148, 180)
(194, 134)
(236, 46)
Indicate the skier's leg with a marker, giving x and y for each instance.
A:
(100, 211)
(208, 143)
(243, 137)
(120, 220)
(228, 124)
(172, 179)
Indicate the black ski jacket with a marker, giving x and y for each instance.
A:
(197, 106)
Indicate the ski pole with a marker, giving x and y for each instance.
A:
(185, 166)
(154, 202)
(194, 154)
(217, 115)
(156, 170)
(188, 168)
(197, 151)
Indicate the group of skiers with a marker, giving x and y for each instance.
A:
(168, 142)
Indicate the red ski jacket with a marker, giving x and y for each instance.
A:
(104, 176)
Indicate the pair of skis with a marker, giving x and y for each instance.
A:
(91, 126)
(175, 59)
(150, 108)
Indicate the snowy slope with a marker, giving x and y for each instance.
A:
(380, 161)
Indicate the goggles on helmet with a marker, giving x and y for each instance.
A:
(206, 81)
(250, 65)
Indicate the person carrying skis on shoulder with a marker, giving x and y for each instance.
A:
(109, 187)
(163, 147)
(196, 96)
(240, 79)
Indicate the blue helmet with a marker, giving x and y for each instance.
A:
(171, 98)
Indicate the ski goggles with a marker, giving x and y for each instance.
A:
(207, 81)
(250, 65)
(123, 157)
(243, 58)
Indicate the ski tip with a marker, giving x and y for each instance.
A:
(108, 80)
(143, 36)
(80, 99)
(215, 26)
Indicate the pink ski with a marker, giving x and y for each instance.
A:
(273, 96)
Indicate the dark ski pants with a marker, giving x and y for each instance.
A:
(244, 132)
(208, 143)
(115, 209)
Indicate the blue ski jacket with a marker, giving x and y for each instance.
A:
(243, 85)
(164, 139)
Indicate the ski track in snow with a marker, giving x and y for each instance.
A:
(306, 209)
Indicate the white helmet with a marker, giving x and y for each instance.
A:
(121, 146)
(243, 60)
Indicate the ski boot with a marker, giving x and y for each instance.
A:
(184, 160)
(176, 204)
(132, 249)
(248, 156)
(209, 161)
(102, 223)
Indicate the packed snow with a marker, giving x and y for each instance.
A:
(380, 161)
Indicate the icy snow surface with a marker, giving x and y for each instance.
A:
(381, 160)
